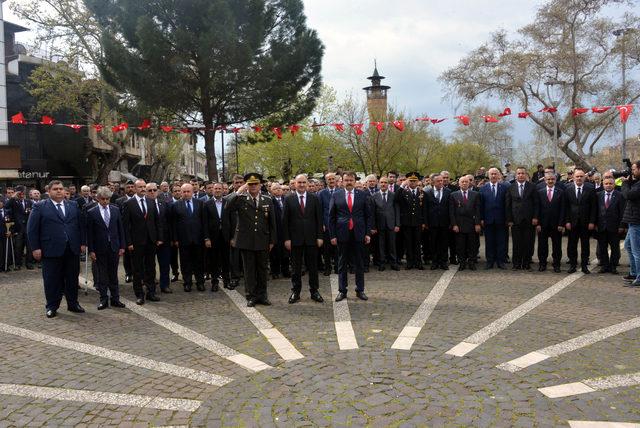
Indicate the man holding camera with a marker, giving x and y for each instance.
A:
(631, 217)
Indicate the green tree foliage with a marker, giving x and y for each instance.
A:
(462, 158)
(223, 61)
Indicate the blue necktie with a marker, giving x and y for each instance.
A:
(189, 207)
(60, 210)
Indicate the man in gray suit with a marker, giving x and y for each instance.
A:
(387, 224)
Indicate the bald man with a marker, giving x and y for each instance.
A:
(493, 219)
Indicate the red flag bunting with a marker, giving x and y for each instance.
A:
(278, 132)
(73, 126)
(18, 119)
(294, 129)
(524, 114)
(235, 130)
(47, 120)
(358, 128)
(316, 125)
(434, 121)
(379, 126)
(464, 120)
(185, 130)
(119, 128)
(257, 128)
(489, 119)
(399, 125)
(423, 119)
(601, 109)
(146, 124)
(578, 111)
(98, 127)
(339, 127)
(506, 112)
(625, 112)
(549, 110)
(166, 128)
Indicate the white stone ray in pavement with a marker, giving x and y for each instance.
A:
(602, 424)
(280, 343)
(569, 345)
(123, 357)
(342, 319)
(484, 334)
(413, 327)
(591, 385)
(83, 396)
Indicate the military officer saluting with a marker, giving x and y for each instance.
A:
(254, 235)
(412, 221)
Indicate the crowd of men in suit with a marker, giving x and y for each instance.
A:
(250, 228)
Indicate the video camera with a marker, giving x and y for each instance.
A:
(625, 172)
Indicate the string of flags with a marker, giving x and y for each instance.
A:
(624, 112)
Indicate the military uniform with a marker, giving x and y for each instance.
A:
(411, 221)
(255, 232)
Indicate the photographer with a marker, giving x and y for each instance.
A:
(631, 217)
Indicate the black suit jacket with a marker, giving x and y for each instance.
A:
(580, 213)
(609, 219)
(163, 210)
(100, 238)
(302, 229)
(551, 214)
(464, 215)
(521, 210)
(19, 214)
(437, 213)
(411, 208)
(138, 230)
(279, 215)
(214, 225)
(387, 215)
(187, 228)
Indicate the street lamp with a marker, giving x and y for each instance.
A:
(621, 33)
(554, 103)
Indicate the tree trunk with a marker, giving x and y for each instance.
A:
(210, 146)
(102, 175)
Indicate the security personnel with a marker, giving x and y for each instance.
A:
(412, 221)
(254, 236)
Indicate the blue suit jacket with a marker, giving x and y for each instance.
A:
(339, 215)
(49, 231)
(101, 239)
(492, 210)
(325, 199)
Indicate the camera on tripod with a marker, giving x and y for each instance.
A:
(625, 172)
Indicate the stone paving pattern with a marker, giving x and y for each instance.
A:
(373, 385)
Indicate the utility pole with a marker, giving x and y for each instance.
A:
(621, 33)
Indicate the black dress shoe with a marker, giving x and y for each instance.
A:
(51, 313)
(542, 268)
(288, 274)
(472, 266)
(453, 261)
(585, 270)
(117, 304)
(557, 269)
(381, 268)
(360, 295)
(251, 303)
(275, 276)
(516, 267)
(366, 269)
(395, 267)
(29, 267)
(295, 297)
(420, 267)
(444, 266)
(200, 287)
(527, 267)
(152, 298)
(226, 285)
(434, 267)
(174, 278)
(501, 266)
(76, 309)
(614, 271)
(140, 301)
(408, 267)
(167, 290)
(488, 266)
(603, 269)
(103, 305)
(214, 287)
(187, 288)
(572, 269)
(128, 279)
(316, 297)
(462, 267)
(341, 296)
(327, 272)
(265, 302)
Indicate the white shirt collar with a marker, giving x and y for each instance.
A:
(304, 195)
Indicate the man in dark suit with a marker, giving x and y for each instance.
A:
(142, 235)
(581, 212)
(235, 259)
(387, 224)
(215, 238)
(464, 214)
(4, 236)
(350, 224)
(19, 208)
(329, 253)
(279, 255)
(611, 205)
(187, 217)
(129, 192)
(551, 222)
(54, 235)
(493, 220)
(522, 218)
(105, 241)
(255, 236)
(448, 184)
(176, 195)
(436, 208)
(163, 252)
(372, 253)
(84, 197)
(302, 230)
(409, 200)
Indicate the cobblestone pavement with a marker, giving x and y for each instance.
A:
(371, 385)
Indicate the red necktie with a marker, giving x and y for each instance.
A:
(464, 197)
(549, 195)
(350, 205)
(607, 201)
(302, 204)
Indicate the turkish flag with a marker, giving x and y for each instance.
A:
(578, 111)
(146, 124)
(166, 128)
(75, 127)
(278, 132)
(464, 120)
(423, 119)
(47, 120)
(18, 119)
(399, 125)
(601, 109)
(185, 130)
(235, 130)
(524, 114)
(122, 127)
(489, 119)
(98, 127)
(625, 112)
(549, 110)
(506, 112)
(257, 128)
(294, 129)
(339, 127)
(358, 128)
(434, 121)
(379, 126)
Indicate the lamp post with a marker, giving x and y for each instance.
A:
(620, 34)
(554, 103)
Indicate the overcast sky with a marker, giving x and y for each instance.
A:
(414, 41)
